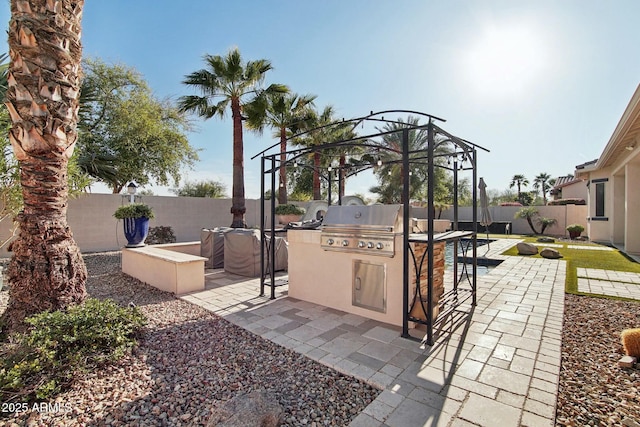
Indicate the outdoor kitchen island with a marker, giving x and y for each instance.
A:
(355, 264)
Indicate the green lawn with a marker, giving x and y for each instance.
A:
(576, 258)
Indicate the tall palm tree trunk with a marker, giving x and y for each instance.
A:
(238, 207)
(282, 194)
(47, 271)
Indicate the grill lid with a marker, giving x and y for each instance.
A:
(378, 217)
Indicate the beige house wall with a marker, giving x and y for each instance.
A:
(618, 217)
(632, 222)
(577, 190)
(95, 229)
(601, 230)
(619, 168)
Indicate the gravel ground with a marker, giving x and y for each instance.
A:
(188, 361)
(593, 390)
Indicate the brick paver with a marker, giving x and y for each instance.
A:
(497, 364)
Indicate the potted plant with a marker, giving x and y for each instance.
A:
(575, 230)
(288, 213)
(135, 217)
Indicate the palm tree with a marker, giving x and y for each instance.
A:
(528, 213)
(47, 271)
(283, 112)
(318, 137)
(229, 82)
(345, 133)
(390, 173)
(541, 181)
(519, 181)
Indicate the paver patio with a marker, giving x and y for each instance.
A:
(497, 364)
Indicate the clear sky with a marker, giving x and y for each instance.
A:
(542, 84)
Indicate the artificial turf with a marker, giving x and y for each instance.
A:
(583, 258)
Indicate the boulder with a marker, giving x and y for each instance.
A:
(546, 240)
(526, 248)
(550, 253)
(255, 409)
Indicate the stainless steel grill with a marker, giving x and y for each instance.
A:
(362, 229)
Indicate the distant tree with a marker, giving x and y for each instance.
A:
(519, 181)
(526, 198)
(444, 193)
(229, 82)
(286, 113)
(546, 222)
(210, 188)
(389, 174)
(302, 178)
(542, 183)
(126, 134)
(528, 213)
(496, 197)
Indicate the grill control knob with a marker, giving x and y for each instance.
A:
(361, 244)
(379, 246)
(330, 242)
(345, 243)
(370, 245)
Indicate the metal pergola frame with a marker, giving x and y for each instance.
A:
(464, 152)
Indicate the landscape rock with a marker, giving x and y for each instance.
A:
(550, 253)
(255, 409)
(526, 248)
(546, 240)
(627, 362)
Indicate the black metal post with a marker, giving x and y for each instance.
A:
(340, 179)
(405, 233)
(272, 245)
(430, 218)
(455, 217)
(329, 189)
(455, 193)
(475, 225)
(262, 218)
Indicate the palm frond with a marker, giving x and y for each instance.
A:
(4, 72)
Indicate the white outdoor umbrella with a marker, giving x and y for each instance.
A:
(485, 214)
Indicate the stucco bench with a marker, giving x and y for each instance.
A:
(166, 267)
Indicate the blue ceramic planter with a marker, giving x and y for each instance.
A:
(136, 230)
